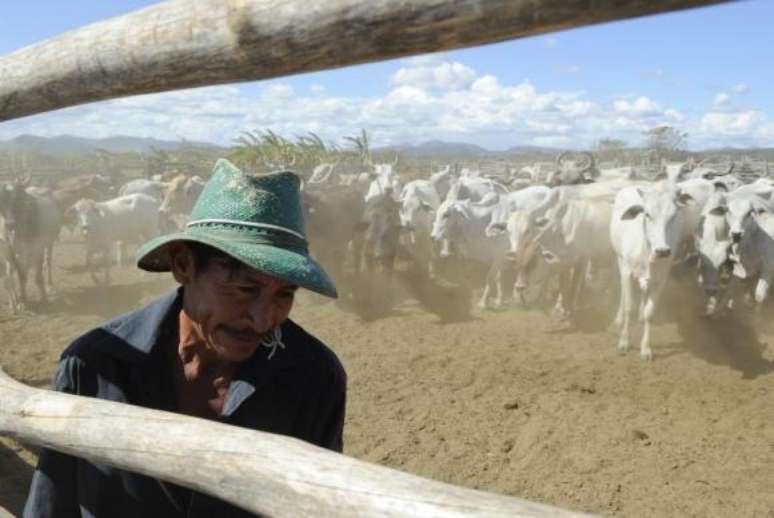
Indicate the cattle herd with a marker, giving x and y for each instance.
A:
(108, 217)
(537, 233)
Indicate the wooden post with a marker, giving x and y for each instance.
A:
(263, 473)
(187, 43)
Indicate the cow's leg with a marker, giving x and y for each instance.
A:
(579, 276)
(761, 292)
(10, 286)
(625, 308)
(21, 275)
(565, 296)
(619, 314)
(497, 277)
(650, 297)
(119, 246)
(50, 265)
(40, 279)
(484, 296)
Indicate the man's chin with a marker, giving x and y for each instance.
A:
(236, 352)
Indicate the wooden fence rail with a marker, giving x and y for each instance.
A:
(264, 473)
(188, 43)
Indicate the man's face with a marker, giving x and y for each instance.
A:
(232, 308)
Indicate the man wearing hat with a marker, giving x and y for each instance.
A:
(220, 347)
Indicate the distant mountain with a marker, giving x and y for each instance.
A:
(440, 147)
(68, 144)
(437, 147)
(525, 150)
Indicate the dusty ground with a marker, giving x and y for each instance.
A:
(506, 401)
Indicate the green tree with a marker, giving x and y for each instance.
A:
(665, 140)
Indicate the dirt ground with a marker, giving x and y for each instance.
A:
(506, 401)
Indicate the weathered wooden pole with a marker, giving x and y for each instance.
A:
(264, 473)
(188, 43)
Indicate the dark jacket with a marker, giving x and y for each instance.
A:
(299, 392)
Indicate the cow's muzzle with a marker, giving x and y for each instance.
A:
(662, 252)
(736, 237)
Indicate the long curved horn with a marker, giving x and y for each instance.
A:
(559, 159)
(189, 43)
(730, 168)
(590, 161)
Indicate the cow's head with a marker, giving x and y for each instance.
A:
(713, 243)
(446, 227)
(89, 215)
(661, 213)
(742, 213)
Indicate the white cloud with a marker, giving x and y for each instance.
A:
(441, 76)
(721, 99)
(427, 98)
(640, 107)
(741, 88)
(729, 124)
(673, 115)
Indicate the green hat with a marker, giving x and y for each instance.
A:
(257, 219)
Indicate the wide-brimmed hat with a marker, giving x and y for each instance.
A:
(257, 219)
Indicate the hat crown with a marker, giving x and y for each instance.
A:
(235, 197)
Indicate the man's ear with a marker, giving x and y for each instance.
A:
(181, 261)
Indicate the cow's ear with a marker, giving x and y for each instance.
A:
(720, 210)
(496, 228)
(683, 198)
(759, 208)
(632, 212)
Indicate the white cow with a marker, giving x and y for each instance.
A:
(524, 200)
(713, 244)
(462, 224)
(522, 229)
(574, 236)
(9, 275)
(181, 195)
(419, 202)
(751, 226)
(126, 219)
(383, 181)
(441, 181)
(481, 190)
(645, 229)
(154, 188)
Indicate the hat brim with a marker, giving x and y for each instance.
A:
(293, 267)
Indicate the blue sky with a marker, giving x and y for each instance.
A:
(707, 72)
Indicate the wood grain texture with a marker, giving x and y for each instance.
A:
(264, 473)
(188, 43)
